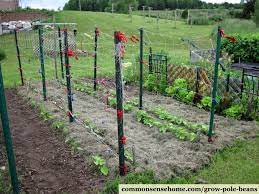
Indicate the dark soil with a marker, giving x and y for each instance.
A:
(45, 163)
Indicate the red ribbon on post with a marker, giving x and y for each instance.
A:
(230, 38)
(72, 54)
(121, 37)
(120, 114)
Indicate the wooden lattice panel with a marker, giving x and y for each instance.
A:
(190, 74)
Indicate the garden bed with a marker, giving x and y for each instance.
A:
(95, 130)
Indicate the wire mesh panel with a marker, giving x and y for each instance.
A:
(197, 55)
(51, 42)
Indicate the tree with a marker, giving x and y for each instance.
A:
(249, 9)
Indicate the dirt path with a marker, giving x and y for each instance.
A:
(45, 164)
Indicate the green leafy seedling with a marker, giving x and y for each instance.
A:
(100, 163)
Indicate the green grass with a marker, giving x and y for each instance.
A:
(238, 164)
(165, 38)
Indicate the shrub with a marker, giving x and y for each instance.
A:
(199, 21)
(246, 48)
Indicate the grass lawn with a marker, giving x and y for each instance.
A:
(238, 164)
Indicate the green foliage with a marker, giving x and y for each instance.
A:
(246, 48)
(100, 163)
(58, 125)
(5, 185)
(74, 145)
(180, 132)
(2, 55)
(127, 106)
(235, 111)
(164, 115)
(112, 102)
(206, 102)
(44, 114)
(128, 155)
(84, 88)
(180, 91)
(199, 21)
(151, 83)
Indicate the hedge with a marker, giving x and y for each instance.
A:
(246, 48)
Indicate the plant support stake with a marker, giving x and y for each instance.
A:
(68, 79)
(61, 53)
(150, 65)
(141, 70)
(119, 94)
(215, 85)
(8, 137)
(95, 56)
(42, 64)
(18, 56)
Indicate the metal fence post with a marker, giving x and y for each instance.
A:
(68, 78)
(18, 56)
(119, 94)
(141, 70)
(8, 137)
(150, 64)
(215, 85)
(95, 56)
(41, 40)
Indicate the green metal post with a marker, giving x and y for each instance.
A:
(95, 57)
(141, 70)
(119, 94)
(68, 78)
(8, 137)
(215, 85)
(41, 40)
(18, 56)
(227, 84)
(61, 53)
(150, 65)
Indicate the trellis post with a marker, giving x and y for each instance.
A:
(141, 70)
(150, 61)
(227, 83)
(18, 56)
(55, 48)
(68, 78)
(215, 85)
(197, 84)
(119, 94)
(8, 137)
(41, 40)
(61, 52)
(95, 57)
